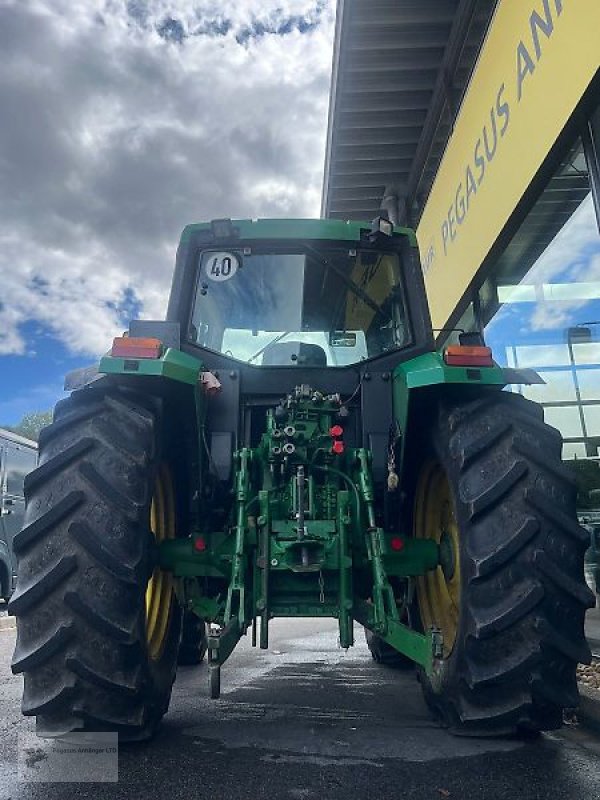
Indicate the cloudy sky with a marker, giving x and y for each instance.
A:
(121, 121)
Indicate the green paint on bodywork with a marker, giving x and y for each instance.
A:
(416, 556)
(179, 556)
(298, 229)
(173, 364)
(430, 368)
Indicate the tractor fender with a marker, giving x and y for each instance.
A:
(173, 365)
(428, 374)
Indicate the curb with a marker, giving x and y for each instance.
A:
(588, 710)
(8, 623)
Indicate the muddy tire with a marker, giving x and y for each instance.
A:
(194, 644)
(85, 557)
(5, 579)
(518, 625)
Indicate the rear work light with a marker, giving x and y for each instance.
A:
(136, 347)
(459, 355)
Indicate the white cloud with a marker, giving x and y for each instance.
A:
(115, 136)
(573, 256)
(570, 248)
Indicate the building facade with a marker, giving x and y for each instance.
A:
(507, 201)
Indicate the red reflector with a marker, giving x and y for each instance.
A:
(459, 355)
(136, 347)
(397, 543)
(200, 544)
(337, 448)
(336, 430)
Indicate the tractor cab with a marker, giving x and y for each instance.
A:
(299, 293)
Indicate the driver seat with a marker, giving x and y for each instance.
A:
(301, 354)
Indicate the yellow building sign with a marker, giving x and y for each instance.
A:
(534, 67)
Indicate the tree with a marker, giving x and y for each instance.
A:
(31, 424)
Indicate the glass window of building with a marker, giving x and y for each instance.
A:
(541, 309)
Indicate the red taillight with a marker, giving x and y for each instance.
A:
(459, 355)
(397, 543)
(336, 430)
(136, 347)
(337, 448)
(200, 544)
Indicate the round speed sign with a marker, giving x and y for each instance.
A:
(221, 266)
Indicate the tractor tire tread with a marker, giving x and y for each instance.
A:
(43, 649)
(48, 469)
(100, 622)
(507, 549)
(28, 595)
(112, 496)
(521, 633)
(85, 536)
(41, 526)
(82, 570)
(513, 606)
(501, 486)
(123, 686)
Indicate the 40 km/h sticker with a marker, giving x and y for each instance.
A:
(222, 266)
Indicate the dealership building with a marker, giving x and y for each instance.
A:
(477, 122)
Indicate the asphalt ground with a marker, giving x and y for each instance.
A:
(307, 720)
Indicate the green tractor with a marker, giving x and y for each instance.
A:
(289, 443)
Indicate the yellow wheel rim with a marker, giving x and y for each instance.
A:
(159, 592)
(438, 591)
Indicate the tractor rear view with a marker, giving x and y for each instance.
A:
(289, 443)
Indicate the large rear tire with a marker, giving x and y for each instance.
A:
(4, 583)
(194, 642)
(510, 596)
(98, 625)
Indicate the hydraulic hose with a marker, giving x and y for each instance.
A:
(346, 479)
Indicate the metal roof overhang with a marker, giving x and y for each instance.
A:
(400, 69)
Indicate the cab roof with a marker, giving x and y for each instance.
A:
(344, 230)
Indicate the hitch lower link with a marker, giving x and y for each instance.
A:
(221, 644)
